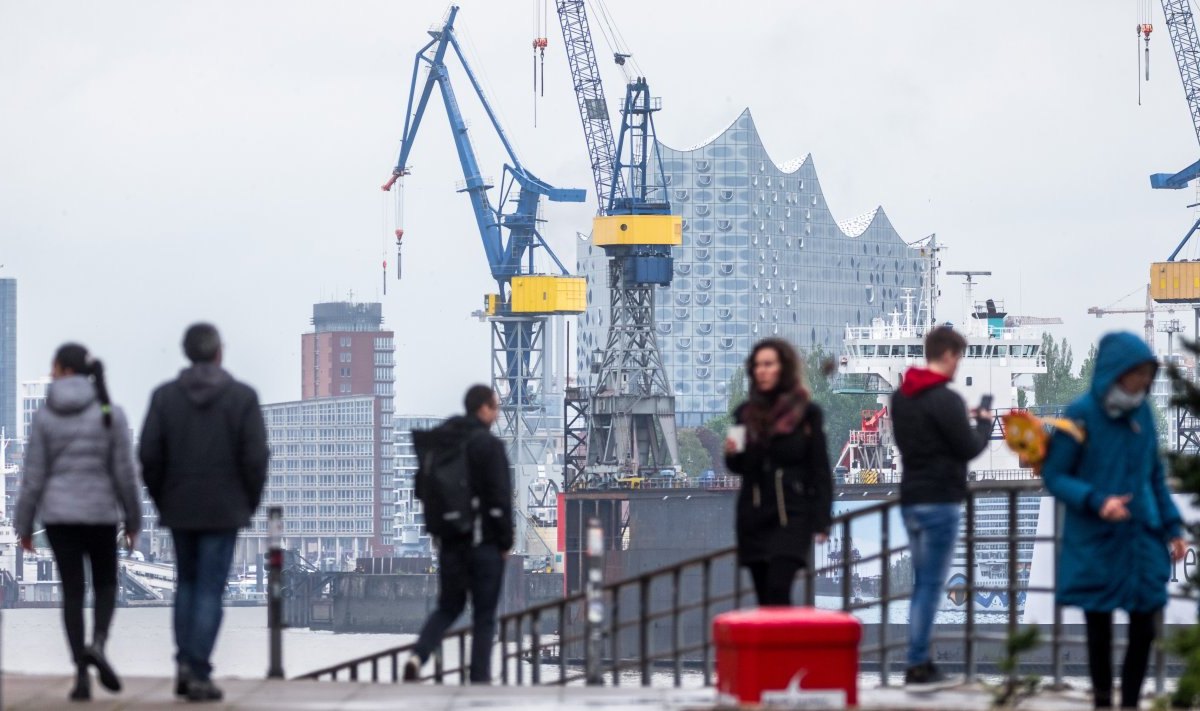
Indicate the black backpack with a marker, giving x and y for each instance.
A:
(443, 484)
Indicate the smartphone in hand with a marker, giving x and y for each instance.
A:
(985, 403)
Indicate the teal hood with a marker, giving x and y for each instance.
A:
(1117, 354)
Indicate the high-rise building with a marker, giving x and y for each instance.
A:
(332, 468)
(33, 396)
(8, 358)
(410, 537)
(348, 352)
(762, 255)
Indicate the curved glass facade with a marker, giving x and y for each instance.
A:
(761, 256)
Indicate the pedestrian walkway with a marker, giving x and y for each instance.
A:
(42, 692)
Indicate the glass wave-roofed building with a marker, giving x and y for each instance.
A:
(762, 255)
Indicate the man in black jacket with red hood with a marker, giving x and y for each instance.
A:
(937, 439)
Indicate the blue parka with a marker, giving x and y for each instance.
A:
(1106, 565)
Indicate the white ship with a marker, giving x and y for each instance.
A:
(999, 352)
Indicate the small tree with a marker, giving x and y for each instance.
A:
(693, 456)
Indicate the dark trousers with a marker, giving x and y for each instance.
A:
(773, 580)
(202, 560)
(71, 544)
(1137, 655)
(479, 571)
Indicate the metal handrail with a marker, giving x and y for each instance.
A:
(548, 643)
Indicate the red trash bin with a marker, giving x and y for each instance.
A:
(765, 649)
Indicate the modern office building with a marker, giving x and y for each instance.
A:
(762, 255)
(410, 537)
(8, 358)
(33, 396)
(348, 352)
(331, 468)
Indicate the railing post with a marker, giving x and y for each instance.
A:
(644, 628)
(845, 563)
(1014, 606)
(275, 591)
(676, 632)
(1056, 631)
(705, 613)
(594, 619)
(885, 591)
(969, 638)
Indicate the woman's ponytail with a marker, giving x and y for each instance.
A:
(95, 368)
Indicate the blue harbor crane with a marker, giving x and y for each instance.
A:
(1181, 26)
(630, 407)
(509, 230)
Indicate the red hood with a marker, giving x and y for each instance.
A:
(918, 380)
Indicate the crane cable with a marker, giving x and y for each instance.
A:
(1145, 26)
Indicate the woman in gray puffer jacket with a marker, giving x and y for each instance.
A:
(79, 481)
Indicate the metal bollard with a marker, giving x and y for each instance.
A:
(595, 603)
(275, 590)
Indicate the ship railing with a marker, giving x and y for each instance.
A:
(654, 628)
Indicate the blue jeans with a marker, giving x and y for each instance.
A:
(202, 560)
(932, 532)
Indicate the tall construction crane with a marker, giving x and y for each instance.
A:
(1148, 311)
(1171, 281)
(525, 299)
(631, 409)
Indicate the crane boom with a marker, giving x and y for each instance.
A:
(589, 95)
(1182, 27)
(518, 185)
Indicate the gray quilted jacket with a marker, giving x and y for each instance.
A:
(76, 470)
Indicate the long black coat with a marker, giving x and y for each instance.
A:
(787, 491)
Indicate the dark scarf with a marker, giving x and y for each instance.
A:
(775, 413)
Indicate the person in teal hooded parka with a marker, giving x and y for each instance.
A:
(1121, 529)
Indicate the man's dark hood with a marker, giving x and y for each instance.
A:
(204, 383)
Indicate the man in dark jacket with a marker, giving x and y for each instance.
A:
(204, 460)
(936, 439)
(474, 562)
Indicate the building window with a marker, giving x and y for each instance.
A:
(344, 388)
(344, 356)
(344, 341)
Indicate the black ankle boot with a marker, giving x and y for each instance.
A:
(95, 657)
(83, 684)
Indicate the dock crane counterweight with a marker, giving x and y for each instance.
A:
(525, 299)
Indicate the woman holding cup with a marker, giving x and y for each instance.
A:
(777, 445)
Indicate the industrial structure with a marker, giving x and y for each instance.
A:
(529, 291)
(630, 406)
(762, 254)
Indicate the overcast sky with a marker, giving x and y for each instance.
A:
(166, 162)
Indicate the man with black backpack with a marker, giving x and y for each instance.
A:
(464, 483)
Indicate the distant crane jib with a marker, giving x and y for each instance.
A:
(505, 260)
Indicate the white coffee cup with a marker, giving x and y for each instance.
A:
(737, 434)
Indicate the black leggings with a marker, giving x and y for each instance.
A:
(773, 580)
(1137, 655)
(71, 543)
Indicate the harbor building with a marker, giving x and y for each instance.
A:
(410, 537)
(332, 468)
(762, 255)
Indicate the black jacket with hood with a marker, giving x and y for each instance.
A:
(204, 450)
(491, 481)
(787, 491)
(936, 439)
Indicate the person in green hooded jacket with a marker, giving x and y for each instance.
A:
(1121, 529)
